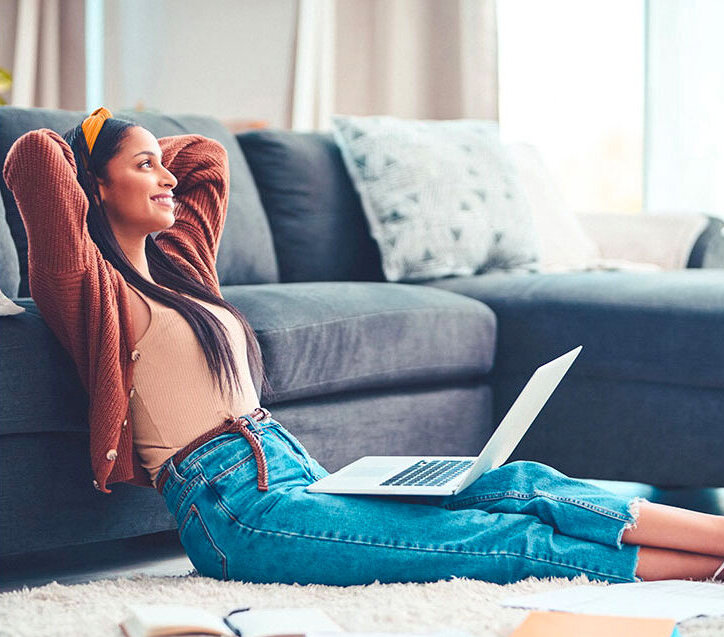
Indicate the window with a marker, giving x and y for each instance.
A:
(684, 152)
(572, 84)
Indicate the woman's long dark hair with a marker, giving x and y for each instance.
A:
(209, 330)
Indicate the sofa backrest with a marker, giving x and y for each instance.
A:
(319, 228)
(246, 252)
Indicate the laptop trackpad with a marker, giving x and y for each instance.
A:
(372, 467)
(366, 471)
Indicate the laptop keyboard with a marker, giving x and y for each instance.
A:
(428, 473)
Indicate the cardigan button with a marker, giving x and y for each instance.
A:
(95, 484)
(125, 422)
(112, 454)
(133, 391)
(135, 355)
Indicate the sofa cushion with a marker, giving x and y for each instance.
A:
(316, 218)
(325, 337)
(246, 223)
(660, 327)
(317, 338)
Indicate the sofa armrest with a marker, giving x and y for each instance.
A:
(670, 241)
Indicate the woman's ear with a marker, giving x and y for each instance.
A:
(101, 190)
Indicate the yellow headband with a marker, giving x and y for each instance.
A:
(92, 125)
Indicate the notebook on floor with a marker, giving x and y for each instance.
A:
(447, 475)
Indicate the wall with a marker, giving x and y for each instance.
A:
(227, 58)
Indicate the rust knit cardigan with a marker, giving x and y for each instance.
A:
(83, 298)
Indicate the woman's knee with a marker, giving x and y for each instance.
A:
(527, 470)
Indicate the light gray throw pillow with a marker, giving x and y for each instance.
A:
(442, 197)
(8, 307)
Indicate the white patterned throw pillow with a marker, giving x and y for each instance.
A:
(441, 197)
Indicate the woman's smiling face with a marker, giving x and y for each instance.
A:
(137, 190)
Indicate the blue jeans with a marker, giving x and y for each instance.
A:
(520, 520)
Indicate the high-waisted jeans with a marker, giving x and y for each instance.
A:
(522, 519)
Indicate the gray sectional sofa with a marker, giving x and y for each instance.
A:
(363, 366)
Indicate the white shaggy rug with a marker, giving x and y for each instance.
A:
(471, 605)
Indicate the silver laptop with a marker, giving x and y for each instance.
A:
(447, 475)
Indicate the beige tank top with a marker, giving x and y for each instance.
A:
(176, 398)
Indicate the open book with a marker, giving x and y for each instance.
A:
(166, 620)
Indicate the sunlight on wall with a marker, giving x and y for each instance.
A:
(228, 59)
(572, 84)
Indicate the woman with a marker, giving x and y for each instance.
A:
(144, 320)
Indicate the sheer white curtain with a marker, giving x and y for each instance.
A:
(43, 47)
(313, 93)
(684, 151)
(423, 59)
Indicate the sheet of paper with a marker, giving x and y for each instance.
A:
(674, 599)
(441, 633)
(553, 623)
(282, 621)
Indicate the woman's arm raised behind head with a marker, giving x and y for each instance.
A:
(40, 171)
(201, 166)
(72, 285)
